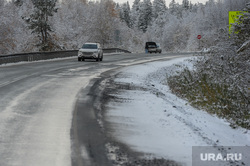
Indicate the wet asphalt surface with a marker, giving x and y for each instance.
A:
(102, 148)
(91, 142)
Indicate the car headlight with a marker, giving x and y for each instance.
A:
(79, 53)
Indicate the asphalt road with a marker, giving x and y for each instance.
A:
(49, 110)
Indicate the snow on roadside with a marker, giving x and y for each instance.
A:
(158, 123)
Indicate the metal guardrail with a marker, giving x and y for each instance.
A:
(36, 56)
(115, 50)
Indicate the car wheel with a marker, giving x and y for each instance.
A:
(79, 59)
(101, 58)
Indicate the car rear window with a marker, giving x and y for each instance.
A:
(150, 44)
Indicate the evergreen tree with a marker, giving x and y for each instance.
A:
(135, 13)
(172, 7)
(145, 15)
(185, 4)
(190, 5)
(18, 2)
(39, 21)
(175, 9)
(2, 3)
(121, 13)
(159, 8)
(125, 14)
(136, 5)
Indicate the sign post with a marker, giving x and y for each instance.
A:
(199, 37)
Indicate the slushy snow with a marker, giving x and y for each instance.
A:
(158, 123)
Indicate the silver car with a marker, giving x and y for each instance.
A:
(90, 51)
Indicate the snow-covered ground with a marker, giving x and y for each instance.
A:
(158, 123)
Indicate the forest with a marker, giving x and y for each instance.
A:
(219, 80)
(28, 25)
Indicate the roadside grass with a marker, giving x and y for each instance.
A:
(218, 98)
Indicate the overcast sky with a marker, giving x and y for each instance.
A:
(167, 1)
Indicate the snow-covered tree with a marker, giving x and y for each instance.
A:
(18, 2)
(242, 27)
(125, 14)
(105, 23)
(172, 7)
(14, 35)
(219, 82)
(72, 24)
(185, 4)
(175, 9)
(1, 3)
(135, 13)
(145, 15)
(159, 8)
(39, 21)
(78, 21)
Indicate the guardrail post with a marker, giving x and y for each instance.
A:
(30, 58)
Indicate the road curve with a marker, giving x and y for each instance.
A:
(48, 110)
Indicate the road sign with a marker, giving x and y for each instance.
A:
(233, 17)
(199, 37)
(117, 35)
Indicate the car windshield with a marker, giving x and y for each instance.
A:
(90, 46)
(151, 46)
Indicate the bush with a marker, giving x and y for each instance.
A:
(219, 84)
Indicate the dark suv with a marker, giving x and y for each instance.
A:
(151, 47)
